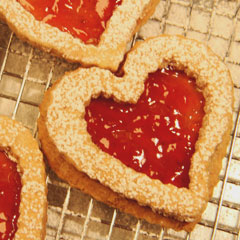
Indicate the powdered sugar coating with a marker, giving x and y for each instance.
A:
(111, 48)
(67, 128)
(19, 144)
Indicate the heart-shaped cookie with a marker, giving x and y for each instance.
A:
(90, 32)
(66, 141)
(23, 208)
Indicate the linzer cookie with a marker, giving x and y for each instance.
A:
(23, 202)
(148, 140)
(89, 32)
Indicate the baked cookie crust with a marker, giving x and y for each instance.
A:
(68, 146)
(17, 142)
(125, 21)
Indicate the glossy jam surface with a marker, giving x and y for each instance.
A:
(10, 189)
(157, 135)
(85, 19)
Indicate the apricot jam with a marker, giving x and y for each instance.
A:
(157, 135)
(84, 19)
(10, 190)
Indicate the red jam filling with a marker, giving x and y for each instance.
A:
(157, 135)
(10, 189)
(84, 19)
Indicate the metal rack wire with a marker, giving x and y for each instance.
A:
(25, 74)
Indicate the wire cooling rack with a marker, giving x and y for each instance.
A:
(25, 74)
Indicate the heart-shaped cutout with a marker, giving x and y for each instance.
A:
(82, 19)
(104, 27)
(10, 188)
(23, 202)
(64, 137)
(156, 135)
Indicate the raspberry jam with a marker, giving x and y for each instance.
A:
(157, 135)
(10, 189)
(85, 19)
